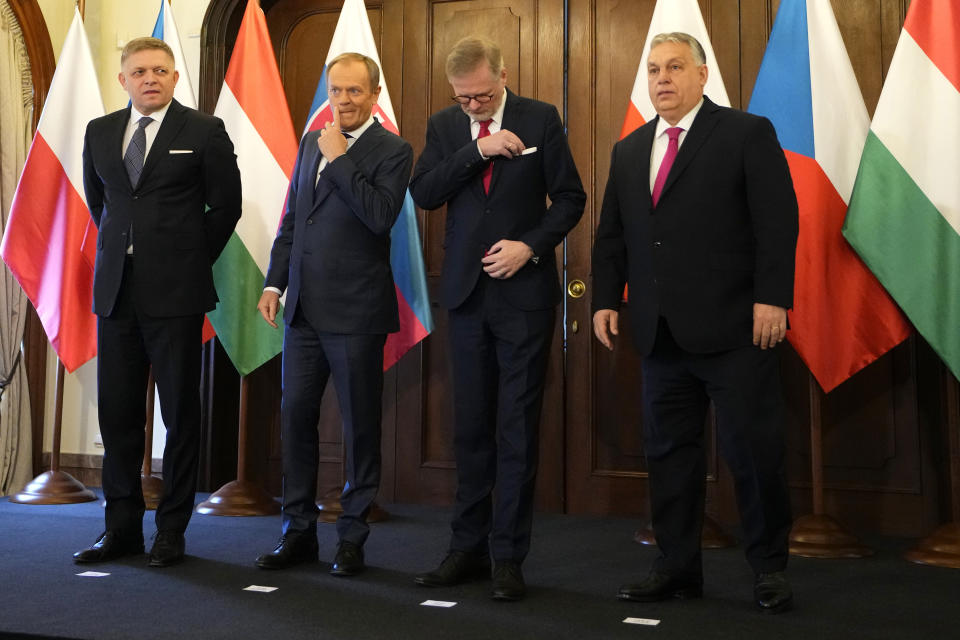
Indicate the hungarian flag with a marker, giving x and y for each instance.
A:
(254, 109)
(48, 217)
(904, 215)
(668, 16)
(353, 34)
(842, 319)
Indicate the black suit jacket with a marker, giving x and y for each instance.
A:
(332, 253)
(191, 166)
(449, 172)
(722, 237)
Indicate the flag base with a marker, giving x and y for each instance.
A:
(820, 536)
(239, 498)
(330, 509)
(152, 491)
(940, 549)
(54, 487)
(712, 537)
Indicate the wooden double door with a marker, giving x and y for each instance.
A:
(582, 56)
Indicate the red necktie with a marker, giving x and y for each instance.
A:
(488, 170)
(672, 145)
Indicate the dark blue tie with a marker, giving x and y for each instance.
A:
(137, 151)
(319, 190)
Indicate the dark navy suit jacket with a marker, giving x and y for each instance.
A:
(332, 253)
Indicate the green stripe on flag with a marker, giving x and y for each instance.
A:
(246, 337)
(909, 246)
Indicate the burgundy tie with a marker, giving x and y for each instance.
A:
(672, 145)
(488, 170)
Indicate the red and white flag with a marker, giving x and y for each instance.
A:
(672, 15)
(48, 217)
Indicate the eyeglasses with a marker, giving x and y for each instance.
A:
(482, 98)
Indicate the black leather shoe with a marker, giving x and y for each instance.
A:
(772, 592)
(349, 559)
(660, 586)
(110, 546)
(294, 547)
(168, 548)
(508, 582)
(457, 567)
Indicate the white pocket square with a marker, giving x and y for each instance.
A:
(172, 151)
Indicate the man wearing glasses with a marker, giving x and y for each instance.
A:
(493, 159)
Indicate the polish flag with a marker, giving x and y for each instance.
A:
(48, 217)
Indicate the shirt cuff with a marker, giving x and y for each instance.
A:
(274, 289)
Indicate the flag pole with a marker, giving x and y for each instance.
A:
(55, 486)
(240, 497)
(817, 535)
(942, 547)
(152, 486)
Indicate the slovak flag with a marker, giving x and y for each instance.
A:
(353, 34)
(842, 318)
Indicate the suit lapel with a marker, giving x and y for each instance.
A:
(114, 142)
(645, 147)
(365, 144)
(700, 130)
(511, 120)
(173, 121)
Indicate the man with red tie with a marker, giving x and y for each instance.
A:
(493, 159)
(700, 218)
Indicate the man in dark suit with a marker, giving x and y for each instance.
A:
(332, 255)
(493, 159)
(163, 188)
(700, 218)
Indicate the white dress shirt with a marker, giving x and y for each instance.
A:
(661, 139)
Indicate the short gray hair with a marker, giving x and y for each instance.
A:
(679, 37)
(469, 52)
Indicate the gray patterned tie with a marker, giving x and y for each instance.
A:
(137, 151)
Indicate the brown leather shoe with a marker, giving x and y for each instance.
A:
(110, 546)
(660, 586)
(457, 567)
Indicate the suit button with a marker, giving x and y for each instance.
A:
(136, 197)
(310, 221)
(487, 211)
(656, 243)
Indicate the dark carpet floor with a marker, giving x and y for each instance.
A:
(573, 572)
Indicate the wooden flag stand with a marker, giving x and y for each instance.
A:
(55, 486)
(817, 535)
(240, 497)
(942, 547)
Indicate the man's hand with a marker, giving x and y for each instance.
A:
(331, 142)
(769, 325)
(268, 306)
(506, 258)
(605, 326)
(502, 143)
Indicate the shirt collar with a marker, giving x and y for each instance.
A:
(157, 115)
(356, 133)
(685, 122)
